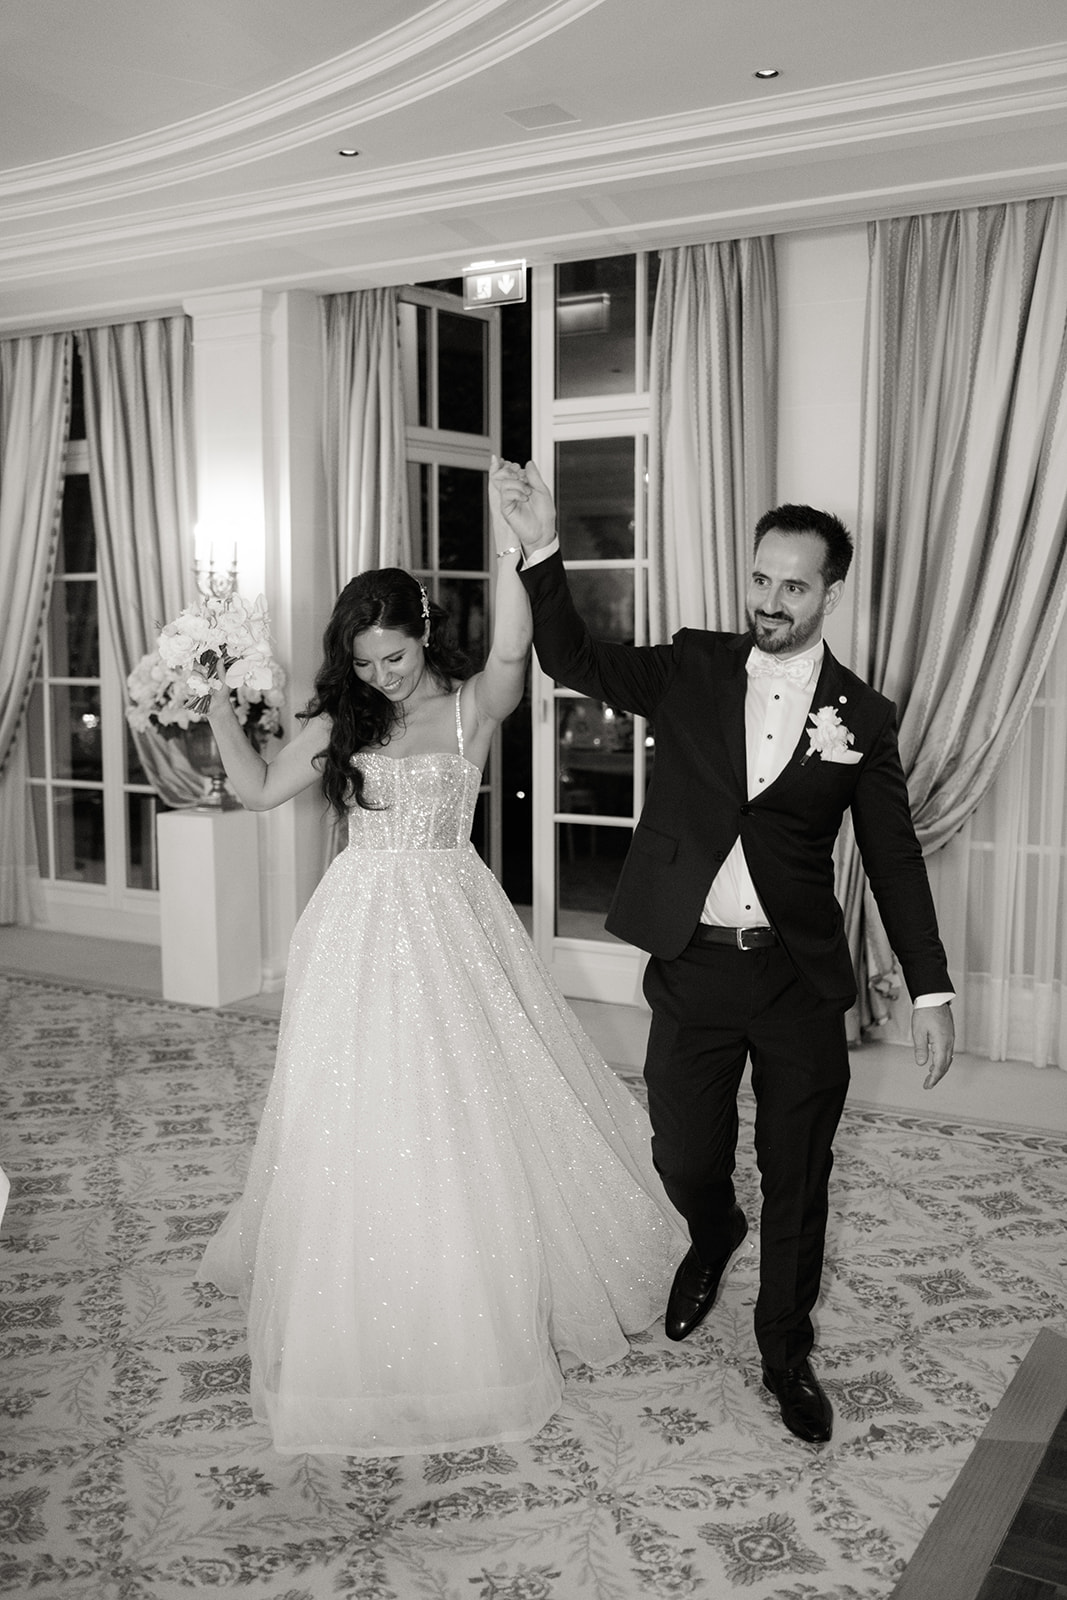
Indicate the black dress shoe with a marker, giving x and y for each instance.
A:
(805, 1409)
(695, 1285)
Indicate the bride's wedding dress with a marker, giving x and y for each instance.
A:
(449, 1189)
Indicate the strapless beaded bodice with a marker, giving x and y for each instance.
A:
(427, 802)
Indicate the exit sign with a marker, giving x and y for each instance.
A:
(493, 283)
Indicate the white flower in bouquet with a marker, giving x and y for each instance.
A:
(170, 687)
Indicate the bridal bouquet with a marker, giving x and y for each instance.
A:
(170, 687)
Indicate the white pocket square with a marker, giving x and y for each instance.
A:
(847, 757)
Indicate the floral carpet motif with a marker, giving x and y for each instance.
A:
(131, 1468)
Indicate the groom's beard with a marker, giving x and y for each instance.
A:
(788, 637)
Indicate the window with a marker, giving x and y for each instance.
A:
(93, 809)
(450, 365)
(591, 342)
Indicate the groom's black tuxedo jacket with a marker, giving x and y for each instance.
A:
(693, 692)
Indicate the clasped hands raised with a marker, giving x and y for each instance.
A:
(521, 496)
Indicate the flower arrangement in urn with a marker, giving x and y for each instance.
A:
(215, 637)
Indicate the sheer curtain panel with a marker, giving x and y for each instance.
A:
(1001, 891)
(34, 424)
(139, 430)
(961, 565)
(712, 444)
(366, 481)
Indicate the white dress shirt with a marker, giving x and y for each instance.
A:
(776, 710)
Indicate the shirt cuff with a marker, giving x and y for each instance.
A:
(923, 1000)
(541, 555)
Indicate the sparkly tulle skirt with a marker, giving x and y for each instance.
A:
(450, 1192)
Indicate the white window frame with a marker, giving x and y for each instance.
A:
(110, 909)
(586, 968)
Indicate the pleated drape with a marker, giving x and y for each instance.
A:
(139, 431)
(366, 481)
(34, 424)
(961, 565)
(712, 442)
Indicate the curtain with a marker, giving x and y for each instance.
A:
(139, 431)
(366, 477)
(961, 552)
(1001, 891)
(712, 445)
(34, 424)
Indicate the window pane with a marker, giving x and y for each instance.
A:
(462, 352)
(596, 762)
(76, 741)
(77, 552)
(595, 499)
(141, 867)
(480, 826)
(39, 809)
(596, 316)
(135, 772)
(588, 860)
(78, 816)
(74, 629)
(517, 804)
(465, 601)
(77, 395)
(419, 479)
(35, 728)
(606, 601)
(414, 324)
(652, 280)
(461, 510)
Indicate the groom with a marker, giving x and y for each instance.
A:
(763, 741)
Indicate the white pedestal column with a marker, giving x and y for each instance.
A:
(260, 483)
(209, 905)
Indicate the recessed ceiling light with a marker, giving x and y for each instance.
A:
(766, 72)
(348, 152)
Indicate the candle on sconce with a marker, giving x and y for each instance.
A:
(212, 584)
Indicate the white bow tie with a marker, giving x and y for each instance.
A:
(762, 665)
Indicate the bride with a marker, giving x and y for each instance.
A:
(450, 1193)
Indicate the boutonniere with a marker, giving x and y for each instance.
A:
(829, 738)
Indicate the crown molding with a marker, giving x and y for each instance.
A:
(844, 208)
(966, 94)
(975, 132)
(801, 127)
(440, 47)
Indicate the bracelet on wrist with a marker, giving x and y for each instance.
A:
(512, 550)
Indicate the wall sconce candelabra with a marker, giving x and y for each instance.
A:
(214, 584)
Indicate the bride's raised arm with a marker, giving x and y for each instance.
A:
(497, 689)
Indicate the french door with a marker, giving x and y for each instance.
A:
(451, 366)
(592, 761)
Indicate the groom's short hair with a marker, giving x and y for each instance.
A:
(806, 519)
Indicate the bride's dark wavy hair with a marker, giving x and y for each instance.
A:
(387, 597)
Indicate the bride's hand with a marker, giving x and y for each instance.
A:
(207, 683)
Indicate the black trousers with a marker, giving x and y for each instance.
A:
(712, 1008)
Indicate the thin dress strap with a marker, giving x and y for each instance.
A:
(459, 722)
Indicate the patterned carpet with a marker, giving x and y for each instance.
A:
(131, 1468)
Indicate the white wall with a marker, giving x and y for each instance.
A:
(822, 289)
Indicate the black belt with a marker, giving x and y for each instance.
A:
(740, 938)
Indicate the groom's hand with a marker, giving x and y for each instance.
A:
(525, 503)
(934, 1036)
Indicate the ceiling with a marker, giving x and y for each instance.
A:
(155, 149)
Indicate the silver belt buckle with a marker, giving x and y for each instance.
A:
(741, 945)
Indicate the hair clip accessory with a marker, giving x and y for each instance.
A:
(425, 604)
